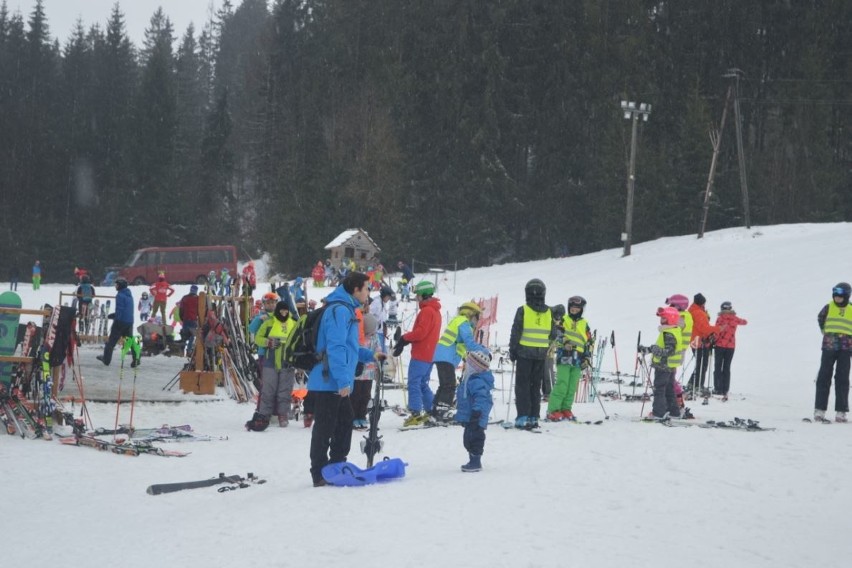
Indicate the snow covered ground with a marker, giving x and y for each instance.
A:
(619, 494)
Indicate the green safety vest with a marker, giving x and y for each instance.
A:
(537, 326)
(838, 320)
(674, 360)
(451, 335)
(576, 333)
(686, 331)
(274, 329)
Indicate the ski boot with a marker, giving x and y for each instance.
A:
(521, 422)
(532, 423)
(568, 415)
(840, 417)
(555, 416)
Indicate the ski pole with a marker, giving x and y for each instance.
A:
(511, 386)
(598, 396)
(636, 366)
(646, 373)
(118, 399)
(615, 354)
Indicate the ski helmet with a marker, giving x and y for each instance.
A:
(85, 279)
(842, 289)
(678, 301)
(669, 315)
(424, 288)
(557, 311)
(535, 290)
(478, 361)
(470, 309)
(120, 283)
(385, 292)
(576, 302)
(727, 306)
(193, 289)
(144, 295)
(270, 297)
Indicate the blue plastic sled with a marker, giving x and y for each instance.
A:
(346, 474)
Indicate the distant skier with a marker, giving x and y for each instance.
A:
(36, 275)
(122, 324)
(835, 323)
(144, 307)
(532, 331)
(666, 358)
(162, 291)
(726, 342)
(249, 279)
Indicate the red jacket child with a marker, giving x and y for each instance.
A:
(423, 337)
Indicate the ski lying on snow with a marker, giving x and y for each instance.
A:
(238, 482)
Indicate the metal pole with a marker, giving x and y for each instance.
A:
(628, 225)
(716, 140)
(741, 153)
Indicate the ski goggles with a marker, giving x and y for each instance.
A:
(838, 291)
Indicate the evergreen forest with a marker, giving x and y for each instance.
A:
(453, 131)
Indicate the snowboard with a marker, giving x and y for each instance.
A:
(8, 334)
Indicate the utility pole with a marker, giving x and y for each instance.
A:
(716, 141)
(632, 112)
(736, 74)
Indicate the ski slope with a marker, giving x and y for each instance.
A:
(621, 494)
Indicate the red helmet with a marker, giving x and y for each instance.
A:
(669, 315)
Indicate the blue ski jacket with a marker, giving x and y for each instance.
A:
(338, 341)
(124, 306)
(472, 394)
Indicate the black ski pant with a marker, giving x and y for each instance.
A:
(446, 385)
(361, 398)
(702, 366)
(722, 370)
(474, 438)
(838, 361)
(664, 397)
(529, 374)
(331, 437)
(119, 329)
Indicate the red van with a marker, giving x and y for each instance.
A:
(181, 265)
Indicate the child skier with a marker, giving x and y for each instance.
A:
(665, 361)
(454, 344)
(474, 406)
(835, 322)
(726, 342)
(572, 357)
(144, 307)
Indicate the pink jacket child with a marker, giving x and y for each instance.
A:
(726, 341)
(727, 322)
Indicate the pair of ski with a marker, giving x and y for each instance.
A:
(124, 449)
(509, 425)
(575, 421)
(233, 481)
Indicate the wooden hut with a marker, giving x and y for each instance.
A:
(355, 244)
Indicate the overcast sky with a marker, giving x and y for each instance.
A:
(63, 14)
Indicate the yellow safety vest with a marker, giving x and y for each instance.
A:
(576, 333)
(451, 335)
(686, 331)
(277, 330)
(838, 320)
(537, 326)
(674, 360)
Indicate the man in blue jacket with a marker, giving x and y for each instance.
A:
(122, 321)
(331, 380)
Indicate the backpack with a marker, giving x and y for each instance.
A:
(300, 350)
(87, 291)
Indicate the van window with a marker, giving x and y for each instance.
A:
(176, 257)
(213, 257)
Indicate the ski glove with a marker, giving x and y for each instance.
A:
(111, 316)
(585, 363)
(397, 349)
(513, 355)
(643, 350)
